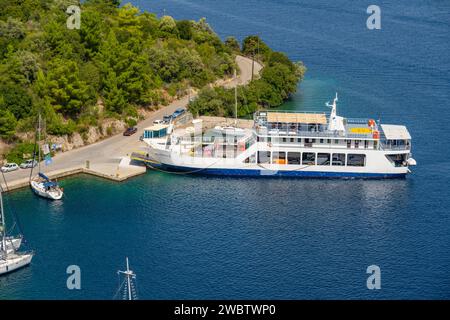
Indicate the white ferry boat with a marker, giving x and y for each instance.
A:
(290, 144)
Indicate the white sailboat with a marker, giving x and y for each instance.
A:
(46, 188)
(41, 184)
(10, 259)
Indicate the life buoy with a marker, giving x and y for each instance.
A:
(376, 134)
(371, 123)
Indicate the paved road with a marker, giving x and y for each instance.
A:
(245, 64)
(106, 154)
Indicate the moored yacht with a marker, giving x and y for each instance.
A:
(41, 184)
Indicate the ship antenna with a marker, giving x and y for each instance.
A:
(333, 106)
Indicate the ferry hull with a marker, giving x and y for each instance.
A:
(274, 173)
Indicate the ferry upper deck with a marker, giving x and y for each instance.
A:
(291, 124)
(312, 125)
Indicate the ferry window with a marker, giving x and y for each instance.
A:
(349, 143)
(308, 142)
(279, 157)
(328, 141)
(269, 139)
(263, 156)
(308, 158)
(293, 157)
(284, 139)
(336, 141)
(299, 140)
(399, 160)
(321, 140)
(356, 160)
(338, 159)
(292, 139)
(323, 159)
(313, 140)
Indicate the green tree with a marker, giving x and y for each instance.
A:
(184, 29)
(15, 99)
(233, 44)
(91, 31)
(167, 24)
(281, 58)
(254, 46)
(67, 93)
(18, 151)
(113, 95)
(22, 67)
(7, 124)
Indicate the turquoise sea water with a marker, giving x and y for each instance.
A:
(191, 237)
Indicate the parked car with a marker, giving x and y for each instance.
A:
(167, 119)
(178, 112)
(130, 131)
(10, 167)
(158, 121)
(28, 164)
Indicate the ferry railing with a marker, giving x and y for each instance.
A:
(313, 134)
(387, 147)
(357, 121)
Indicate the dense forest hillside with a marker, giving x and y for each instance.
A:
(120, 61)
(278, 80)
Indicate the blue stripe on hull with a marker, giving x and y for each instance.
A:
(268, 173)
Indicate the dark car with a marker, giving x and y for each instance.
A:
(130, 131)
(167, 119)
(178, 112)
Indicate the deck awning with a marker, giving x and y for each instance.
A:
(43, 176)
(157, 127)
(395, 132)
(313, 118)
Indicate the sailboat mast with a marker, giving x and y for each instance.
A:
(235, 98)
(128, 280)
(2, 225)
(39, 142)
(129, 276)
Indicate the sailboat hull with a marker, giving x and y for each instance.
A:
(14, 262)
(39, 189)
